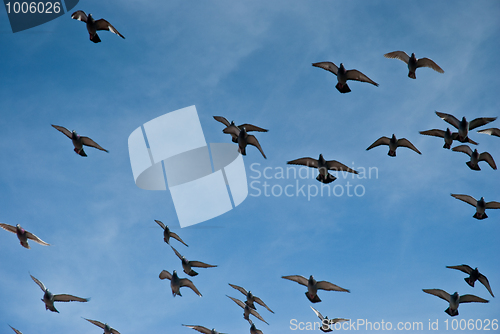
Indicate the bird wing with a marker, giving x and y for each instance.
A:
(327, 65)
(102, 24)
(239, 288)
(491, 131)
(492, 205)
(475, 123)
(297, 278)
(95, 322)
(449, 119)
(406, 143)
(433, 132)
(464, 268)
(466, 198)
(464, 149)
(177, 253)
(189, 284)
(80, 16)
(336, 166)
(40, 284)
(358, 76)
(233, 130)
(15, 330)
(257, 315)
(8, 227)
(165, 274)
(250, 127)
(335, 320)
(253, 141)
(237, 301)
(426, 62)
(485, 282)
(485, 156)
(261, 303)
(324, 285)
(320, 316)
(378, 142)
(401, 55)
(89, 142)
(69, 298)
(223, 120)
(200, 264)
(176, 237)
(471, 299)
(63, 130)
(439, 293)
(309, 162)
(200, 329)
(160, 223)
(33, 237)
(114, 331)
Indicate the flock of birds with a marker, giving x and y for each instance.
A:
(239, 135)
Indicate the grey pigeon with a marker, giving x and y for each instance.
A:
(343, 75)
(23, 235)
(107, 328)
(250, 298)
(79, 141)
(325, 322)
(474, 275)
(413, 62)
(491, 131)
(463, 126)
(475, 157)
(49, 298)
(176, 283)
(323, 167)
(248, 127)
(480, 205)
(186, 265)
(393, 144)
(15, 330)
(94, 25)
(454, 299)
(247, 311)
(447, 135)
(167, 234)
(243, 139)
(202, 329)
(313, 286)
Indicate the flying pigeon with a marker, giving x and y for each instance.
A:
(186, 265)
(448, 136)
(106, 327)
(491, 131)
(79, 141)
(393, 144)
(248, 127)
(176, 283)
(94, 25)
(413, 62)
(454, 299)
(250, 298)
(323, 167)
(202, 329)
(475, 157)
(325, 322)
(480, 205)
(313, 286)
(243, 139)
(247, 311)
(474, 275)
(15, 330)
(254, 330)
(23, 235)
(463, 126)
(343, 75)
(167, 234)
(49, 298)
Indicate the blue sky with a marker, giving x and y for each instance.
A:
(250, 62)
